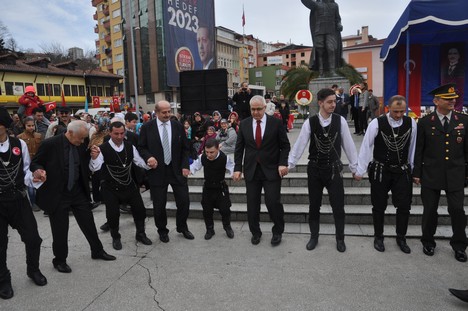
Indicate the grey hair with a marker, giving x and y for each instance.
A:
(257, 99)
(76, 126)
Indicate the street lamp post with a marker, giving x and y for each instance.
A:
(132, 43)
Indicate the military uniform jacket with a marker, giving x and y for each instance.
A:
(441, 158)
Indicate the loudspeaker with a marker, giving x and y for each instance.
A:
(203, 91)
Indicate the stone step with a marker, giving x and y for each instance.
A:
(298, 213)
(299, 195)
(294, 179)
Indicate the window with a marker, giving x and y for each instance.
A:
(66, 89)
(118, 58)
(99, 91)
(287, 55)
(117, 42)
(259, 83)
(120, 72)
(302, 54)
(40, 89)
(116, 28)
(57, 90)
(108, 91)
(81, 91)
(114, 1)
(116, 13)
(293, 55)
(103, 48)
(258, 74)
(102, 21)
(93, 91)
(264, 59)
(74, 89)
(48, 90)
(9, 88)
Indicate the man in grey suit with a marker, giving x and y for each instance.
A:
(165, 148)
(266, 146)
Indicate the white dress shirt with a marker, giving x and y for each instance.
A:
(197, 165)
(302, 142)
(367, 146)
(95, 165)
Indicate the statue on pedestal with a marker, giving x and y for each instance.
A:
(325, 27)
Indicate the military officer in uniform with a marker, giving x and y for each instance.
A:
(440, 163)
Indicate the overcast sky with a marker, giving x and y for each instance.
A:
(70, 22)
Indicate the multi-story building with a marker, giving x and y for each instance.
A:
(228, 51)
(270, 77)
(109, 45)
(75, 53)
(290, 56)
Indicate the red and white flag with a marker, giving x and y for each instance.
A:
(243, 17)
(63, 99)
(50, 106)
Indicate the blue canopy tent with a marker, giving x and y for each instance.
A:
(422, 29)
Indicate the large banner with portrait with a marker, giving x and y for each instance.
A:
(452, 68)
(189, 37)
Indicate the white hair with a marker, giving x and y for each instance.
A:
(76, 126)
(257, 99)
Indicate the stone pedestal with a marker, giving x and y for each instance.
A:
(320, 83)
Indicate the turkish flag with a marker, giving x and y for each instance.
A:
(414, 66)
(50, 106)
(96, 102)
(63, 99)
(116, 103)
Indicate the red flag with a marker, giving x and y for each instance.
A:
(414, 65)
(50, 106)
(63, 99)
(115, 104)
(243, 17)
(96, 102)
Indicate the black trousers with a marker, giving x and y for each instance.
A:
(363, 119)
(16, 212)
(400, 184)
(96, 184)
(77, 202)
(430, 198)
(113, 197)
(332, 180)
(272, 201)
(216, 199)
(159, 195)
(355, 112)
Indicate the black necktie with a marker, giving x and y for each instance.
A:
(71, 169)
(446, 124)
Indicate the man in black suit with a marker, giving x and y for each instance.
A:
(165, 148)
(440, 163)
(62, 164)
(266, 146)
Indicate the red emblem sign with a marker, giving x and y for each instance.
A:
(16, 151)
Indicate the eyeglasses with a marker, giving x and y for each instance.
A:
(257, 109)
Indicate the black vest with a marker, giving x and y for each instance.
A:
(117, 163)
(327, 150)
(214, 171)
(398, 139)
(14, 169)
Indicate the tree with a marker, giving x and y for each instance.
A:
(298, 78)
(4, 36)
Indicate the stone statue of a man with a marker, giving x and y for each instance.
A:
(325, 27)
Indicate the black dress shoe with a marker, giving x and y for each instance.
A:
(403, 246)
(460, 294)
(379, 245)
(103, 255)
(164, 237)
(460, 256)
(255, 239)
(38, 278)
(229, 232)
(141, 237)
(105, 227)
(276, 239)
(209, 234)
(6, 291)
(187, 234)
(116, 244)
(95, 204)
(428, 250)
(340, 246)
(62, 267)
(312, 244)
